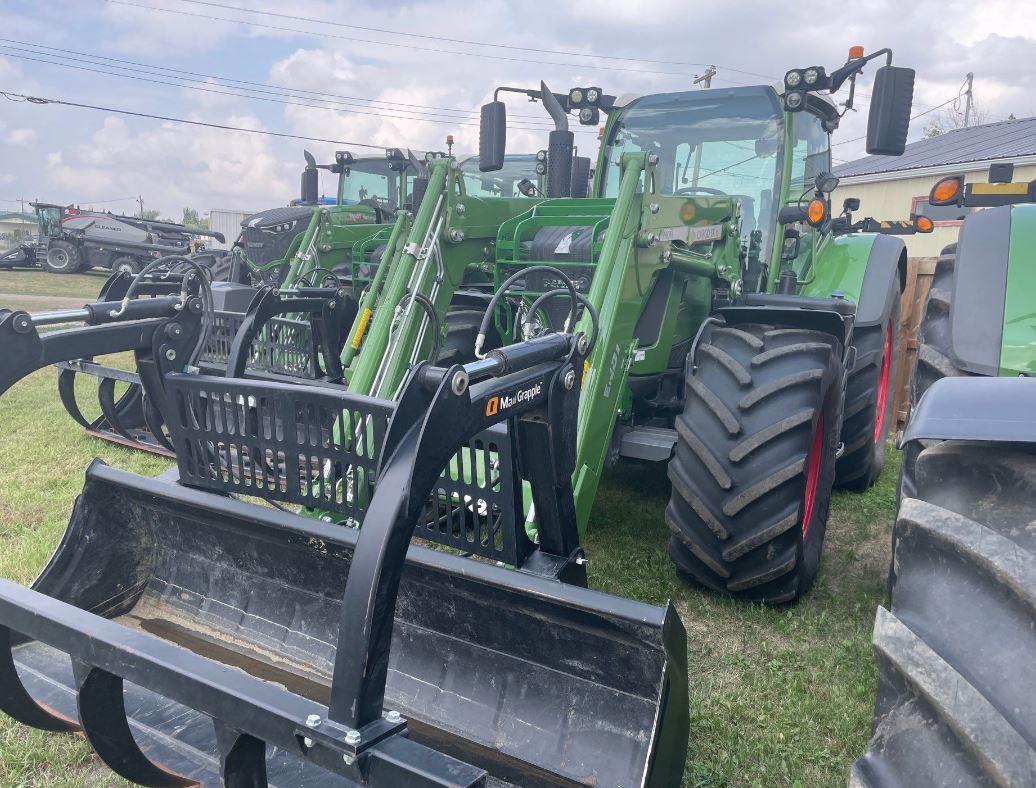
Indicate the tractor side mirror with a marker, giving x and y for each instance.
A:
(889, 119)
(851, 204)
(790, 247)
(580, 176)
(492, 136)
(790, 214)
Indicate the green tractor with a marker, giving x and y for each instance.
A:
(956, 700)
(738, 336)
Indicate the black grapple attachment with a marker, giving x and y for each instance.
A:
(195, 637)
(284, 335)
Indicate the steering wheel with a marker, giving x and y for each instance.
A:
(687, 191)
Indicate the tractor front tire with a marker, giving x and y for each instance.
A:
(934, 359)
(62, 257)
(462, 324)
(956, 700)
(869, 396)
(755, 460)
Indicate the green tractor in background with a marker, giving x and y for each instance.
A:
(956, 701)
(736, 335)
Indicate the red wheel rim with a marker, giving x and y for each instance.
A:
(816, 452)
(883, 385)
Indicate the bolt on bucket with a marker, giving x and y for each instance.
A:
(534, 681)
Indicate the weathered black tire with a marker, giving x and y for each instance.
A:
(462, 324)
(864, 427)
(126, 264)
(933, 354)
(956, 702)
(62, 258)
(754, 404)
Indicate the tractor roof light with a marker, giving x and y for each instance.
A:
(816, 211)
(855, 52)
(541, 168)
(593, 95)
(344, 157)
(541, 155)
(793, 78)
(394, 154)
(575, 97)
(794, 101)
(589, 116)
(947, 191)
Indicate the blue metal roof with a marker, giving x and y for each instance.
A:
(1007, 139)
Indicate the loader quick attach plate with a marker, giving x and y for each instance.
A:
(283, 347)
(319, 447)
(226, 614)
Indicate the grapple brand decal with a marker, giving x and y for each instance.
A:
(504, 401)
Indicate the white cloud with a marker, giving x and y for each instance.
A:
(21, 136)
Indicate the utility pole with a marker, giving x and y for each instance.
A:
(970, 79)
(705, 80)
(140, 199)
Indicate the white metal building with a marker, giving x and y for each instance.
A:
(228, 222)
(893, 187)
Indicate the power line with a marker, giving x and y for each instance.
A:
(323, 34)
(469, 42)
(93, 57)
(40, 100)
(186, 86)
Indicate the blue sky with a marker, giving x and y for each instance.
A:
(397, 92)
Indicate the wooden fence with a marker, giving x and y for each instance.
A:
(919, 279)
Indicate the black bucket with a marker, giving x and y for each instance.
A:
(534, 681)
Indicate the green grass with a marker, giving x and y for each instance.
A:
(778, 696)
(40, 283)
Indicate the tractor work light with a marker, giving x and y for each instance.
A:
(541, 155)
(589, 116)
(394, 154)
(793, 78)
(923, 224)
(947, 191)
(575, 97)
(816, 211)
(593, 95)
(541, 168)
(344, 157)
(794, 101)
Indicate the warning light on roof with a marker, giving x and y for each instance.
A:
(855, 52)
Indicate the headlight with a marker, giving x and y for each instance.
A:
(793, 79)
(793, 100)
(810, 75)
(592, 95)
(541, 168)
(541, 155)
(586, 115)
(575, 96)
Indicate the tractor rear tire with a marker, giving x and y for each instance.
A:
(62, 257)
(956, 702)
(755, 460)
(934, 360)
(868, 403)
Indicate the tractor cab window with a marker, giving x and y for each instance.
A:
(503, 182)
(50, 220)
(708, 143)
(372, 183)
(812, 154)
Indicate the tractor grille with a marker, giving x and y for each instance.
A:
(319, 447)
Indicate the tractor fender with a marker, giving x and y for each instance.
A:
(862, 267)
(975, 409)
(886, 270)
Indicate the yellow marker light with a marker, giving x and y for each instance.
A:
(816, 211)
(1000, 188)
(946, 191)
(687, 212)
(364, 319)
(924, 224)
(586, 368)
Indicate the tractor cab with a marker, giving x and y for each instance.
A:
(48, 217)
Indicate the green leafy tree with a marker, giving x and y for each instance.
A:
(192, 218)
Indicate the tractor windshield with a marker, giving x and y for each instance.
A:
(371, 181)
(503, 182)
(708, 142)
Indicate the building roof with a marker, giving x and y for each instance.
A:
(1009, 139)
(14, 216)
